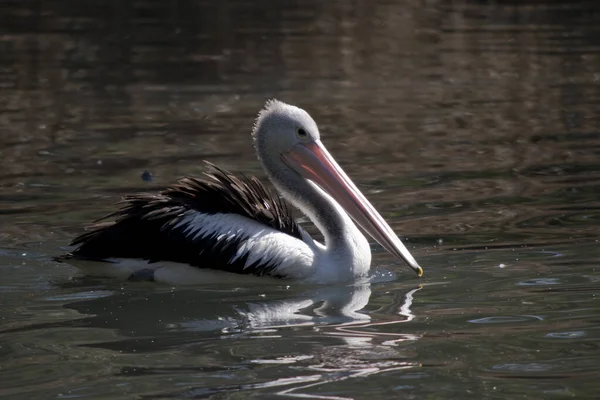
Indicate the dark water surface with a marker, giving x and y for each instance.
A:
(472, 125)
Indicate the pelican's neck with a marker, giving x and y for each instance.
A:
(323, 211)
(346, 248)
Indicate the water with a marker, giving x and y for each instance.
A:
(472, 127)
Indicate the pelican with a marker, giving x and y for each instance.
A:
(234, 224)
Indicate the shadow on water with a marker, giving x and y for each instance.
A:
(471, 125)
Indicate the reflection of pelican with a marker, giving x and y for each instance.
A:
(339, 309)
(324, 334)
(235, 225)
(335, 305)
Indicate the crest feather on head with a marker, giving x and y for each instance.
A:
(270, 106)
(278, 114)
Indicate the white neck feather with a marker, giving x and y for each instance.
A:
(346, 252)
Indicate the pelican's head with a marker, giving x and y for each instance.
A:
(280, 127)
(287, 139)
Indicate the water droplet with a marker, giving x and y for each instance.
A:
(147, 176)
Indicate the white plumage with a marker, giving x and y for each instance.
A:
(261, 244)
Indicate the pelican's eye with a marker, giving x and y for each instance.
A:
(301, 133)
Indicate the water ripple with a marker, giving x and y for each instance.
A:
(506, 319)
(539, 282)
(529, 367)
(566, 335)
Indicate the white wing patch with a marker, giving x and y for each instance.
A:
(263, 245)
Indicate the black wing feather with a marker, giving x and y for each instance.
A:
(146, 225)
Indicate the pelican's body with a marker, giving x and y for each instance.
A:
(235, 225)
